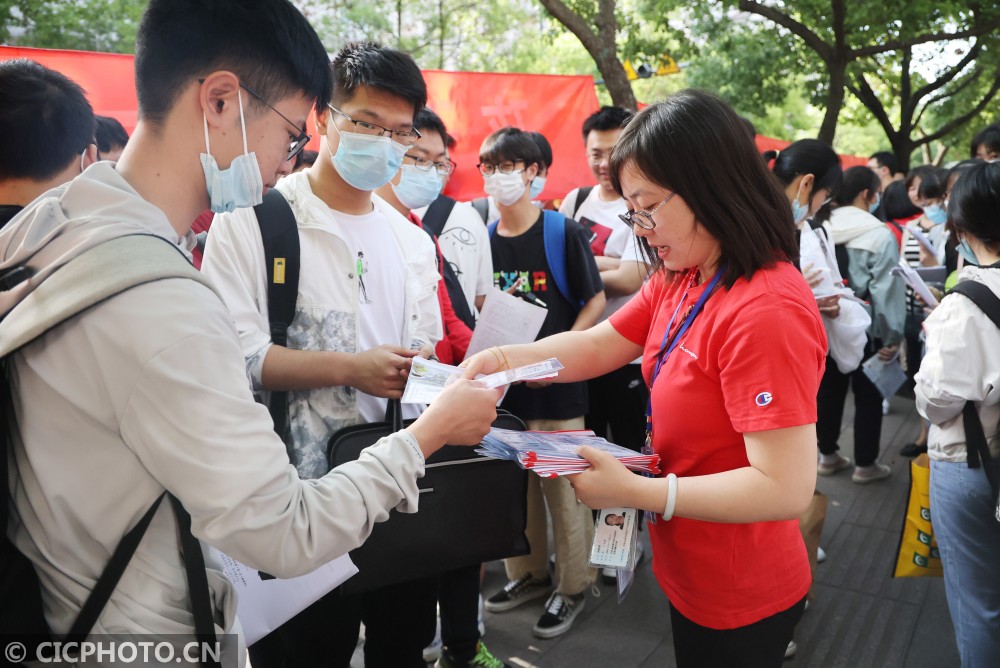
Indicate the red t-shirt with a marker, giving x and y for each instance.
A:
(751, 361)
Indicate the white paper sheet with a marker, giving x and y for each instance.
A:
(265, 604)
(914, 280)
(505, 320)
(922, 239)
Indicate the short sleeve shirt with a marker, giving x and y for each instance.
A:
(751, 361)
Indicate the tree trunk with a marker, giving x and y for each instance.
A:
(902, 148)
(615, 79)
(834, 100)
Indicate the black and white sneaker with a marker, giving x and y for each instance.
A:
(517, 592)
(560, 612)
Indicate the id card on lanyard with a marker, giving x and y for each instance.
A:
(667, 347)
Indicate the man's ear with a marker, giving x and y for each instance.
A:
(531, 171)
(323, 118)
(218, 98)
(89, 157)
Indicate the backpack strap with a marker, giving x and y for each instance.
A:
(437, 214)
(279, 235)
(482, 207)
(554, 229)
(87, 280)
(982, 297)
(581, 195)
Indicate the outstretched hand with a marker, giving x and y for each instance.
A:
(461, 415)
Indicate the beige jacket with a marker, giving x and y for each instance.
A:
(148, 392)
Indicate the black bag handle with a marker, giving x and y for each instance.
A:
(279, 235)
(394, 414)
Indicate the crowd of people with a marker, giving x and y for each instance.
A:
(760, 302)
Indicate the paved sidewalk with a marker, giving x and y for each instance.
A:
(862, 616)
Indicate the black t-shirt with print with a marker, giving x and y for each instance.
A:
(524, 256)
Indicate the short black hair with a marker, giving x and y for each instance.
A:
(933, 184)
(110, 134)
(958, 169)
(510, 144)
(606, 118)
(268, 44)
(544, 146)
(974, 203)
(427, 121)
(305, 157)
(377, 66)
(857, 179)
(706, 141)
(886, 159)
(45, 121)
(896, 204)
(807, 156)
(917, 173)
(990, 136)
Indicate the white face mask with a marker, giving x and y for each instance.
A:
(505, 188)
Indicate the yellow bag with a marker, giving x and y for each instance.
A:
(918, 554)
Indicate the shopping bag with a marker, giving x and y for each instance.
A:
(811, 526)
(473, 509)
(918, 555)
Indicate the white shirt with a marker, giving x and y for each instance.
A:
(465, 244)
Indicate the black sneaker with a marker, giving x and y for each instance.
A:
(912, 449)
(518, 592)
(560, 612)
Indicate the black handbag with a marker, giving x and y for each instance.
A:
(473, 509)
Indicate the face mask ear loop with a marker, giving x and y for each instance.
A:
(799, 194)
(208, 147)
(243, 125)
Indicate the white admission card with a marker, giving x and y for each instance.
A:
(614, 538)
(915, 281)
(428, 378)
(264, 603)
(505, 320)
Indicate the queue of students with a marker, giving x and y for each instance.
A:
(731, 304)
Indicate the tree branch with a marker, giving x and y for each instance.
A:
(944, 95)
(897, 44)
(574, 22)
(964, 118)
(867, 96)
(812, 40)
(950, 75)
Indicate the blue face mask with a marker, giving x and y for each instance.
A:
(417, 188)
(537, 186)
(873, 207)
(238, 186)
(966, 252)
(936, 214)
(366, 162)
(799, 211)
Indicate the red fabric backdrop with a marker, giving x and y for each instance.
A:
(472, 105)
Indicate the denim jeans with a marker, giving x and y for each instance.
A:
(968, 536)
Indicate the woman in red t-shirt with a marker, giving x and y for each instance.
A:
(733, 403)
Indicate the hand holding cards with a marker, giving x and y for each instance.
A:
(427, 378)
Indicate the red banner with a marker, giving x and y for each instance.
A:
(472, 105)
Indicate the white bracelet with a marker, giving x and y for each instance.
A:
(668, 511)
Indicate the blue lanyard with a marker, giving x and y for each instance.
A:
(665, 350)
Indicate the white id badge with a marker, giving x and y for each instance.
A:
(615, 533)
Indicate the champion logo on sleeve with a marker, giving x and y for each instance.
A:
(763, 399)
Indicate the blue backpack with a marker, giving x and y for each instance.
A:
(554, 231)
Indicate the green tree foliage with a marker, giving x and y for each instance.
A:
(89, 25)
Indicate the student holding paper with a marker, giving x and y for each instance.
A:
(733, 348)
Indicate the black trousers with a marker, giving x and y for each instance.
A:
(399, 624)
(458, 603)
(758, 645)
(867, 411)
(618, 401)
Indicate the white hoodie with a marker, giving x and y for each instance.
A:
(147, 392)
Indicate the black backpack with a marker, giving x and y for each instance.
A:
(80, 284)
(434, 221)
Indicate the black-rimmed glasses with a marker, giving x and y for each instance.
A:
(425, 165)
(505, 167)
(299, 140)
(406, 137)
(632, 218)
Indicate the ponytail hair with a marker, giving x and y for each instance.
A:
(807, 156)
